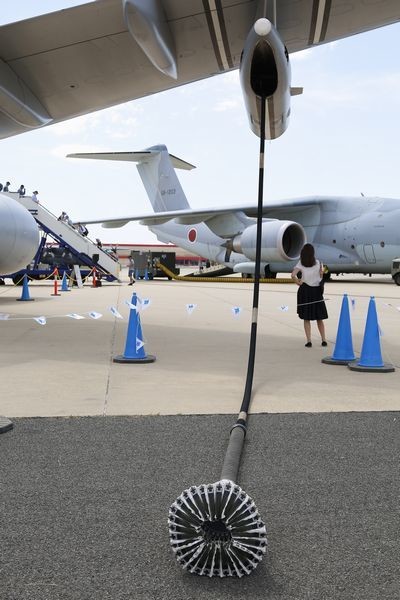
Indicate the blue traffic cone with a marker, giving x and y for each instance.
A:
(146, 274)
(343, 352)
(371, 356)
(64, 283)
(134, 348)
(137, 274)
(25, 290)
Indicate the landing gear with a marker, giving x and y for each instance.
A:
(268, 274)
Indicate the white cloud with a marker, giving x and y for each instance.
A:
(225, 105)
(354, 92)
(118, 121)
(232, 77)
(301, 56)
(62, 150)
(73, 126)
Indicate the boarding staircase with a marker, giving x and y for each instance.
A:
(67, 236)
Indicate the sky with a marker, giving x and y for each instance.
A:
(343, 137)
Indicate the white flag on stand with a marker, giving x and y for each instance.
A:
(95, 315)
(131, 306)
(284, 308)
(190, 308)
(40, 320)
(115, 312)
(144, 303)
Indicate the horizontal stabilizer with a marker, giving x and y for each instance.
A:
(139, 157)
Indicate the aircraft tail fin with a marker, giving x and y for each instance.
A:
(156, 169)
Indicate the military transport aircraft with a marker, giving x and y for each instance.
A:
(351, 235)
(78, 60)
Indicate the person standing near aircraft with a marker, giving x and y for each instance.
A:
(21, 190)
(308, 274)
(6, 187)
(83, 230)
(35, 198)
(131, 270)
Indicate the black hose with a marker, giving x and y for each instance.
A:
(215, 529)
(236, 440)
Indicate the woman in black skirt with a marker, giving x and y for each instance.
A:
(308, 275)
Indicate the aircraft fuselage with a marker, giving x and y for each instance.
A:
(350, 235)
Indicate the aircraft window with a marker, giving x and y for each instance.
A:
(353, 246)
(382, 244)
(333, 241)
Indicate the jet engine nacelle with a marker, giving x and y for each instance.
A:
(265, 72)
(281, 241)
(19, 236)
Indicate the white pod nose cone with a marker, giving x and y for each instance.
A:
(262, 27)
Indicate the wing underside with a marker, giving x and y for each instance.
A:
(74, 61)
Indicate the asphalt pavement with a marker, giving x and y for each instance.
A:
(84, 504)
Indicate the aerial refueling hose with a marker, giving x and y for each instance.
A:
(215, 529)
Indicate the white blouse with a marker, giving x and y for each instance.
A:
(310, 275)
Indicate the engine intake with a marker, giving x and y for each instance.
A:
(281, 241)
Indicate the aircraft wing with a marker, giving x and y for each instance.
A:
(78, 60)
(290, 209)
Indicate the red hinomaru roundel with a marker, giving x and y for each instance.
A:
(192, 235)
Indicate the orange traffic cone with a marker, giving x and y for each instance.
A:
(55, 273)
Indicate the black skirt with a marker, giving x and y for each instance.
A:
(310, 303)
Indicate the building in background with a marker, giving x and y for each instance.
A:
(183, 257)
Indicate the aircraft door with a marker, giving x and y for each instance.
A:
(369, 253)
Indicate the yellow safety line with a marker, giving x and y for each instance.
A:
(219, 279)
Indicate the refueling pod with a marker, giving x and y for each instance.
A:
(265, 72)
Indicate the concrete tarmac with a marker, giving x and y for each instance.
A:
(65, 367)
(84, 500)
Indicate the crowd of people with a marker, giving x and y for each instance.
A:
(64, 217)
(80, 227)
(21, 191)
